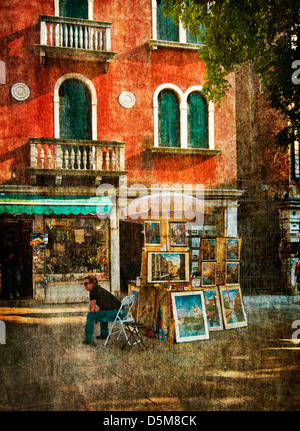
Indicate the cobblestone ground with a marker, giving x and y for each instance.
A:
(45, 366)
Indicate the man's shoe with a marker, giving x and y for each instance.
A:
(90, 343)
(101, 337)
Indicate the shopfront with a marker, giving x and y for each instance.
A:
(76, 246)
(67, 237)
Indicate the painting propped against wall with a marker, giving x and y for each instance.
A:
(232, 307)
(190, 316)
(213, 309)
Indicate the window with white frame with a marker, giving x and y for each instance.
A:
(75, 98)
(182, 119)
(74, 8)
(164, 29)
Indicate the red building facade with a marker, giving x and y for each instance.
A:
(93, 93)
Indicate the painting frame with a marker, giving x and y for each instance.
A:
(151, 229)
(213, 309)
(175, 258)
(232, 273)
(189, 313)
(209, 249)
(232, 249)
(177, 234)
(231, 300)
(208, 279)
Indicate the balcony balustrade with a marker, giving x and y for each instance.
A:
(72, 157)
(64, 37)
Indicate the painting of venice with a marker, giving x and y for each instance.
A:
(190, 316)
(232, 306)
(213, 309)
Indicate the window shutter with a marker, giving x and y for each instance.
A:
(75, 110)
(73, 8)
(194, 39)
(166, 28)
(169, 119)
(197, 121)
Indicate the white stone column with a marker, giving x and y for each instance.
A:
(231, 223)
(114, 251)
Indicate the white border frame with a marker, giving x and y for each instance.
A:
(90, 8)
(183, 105)
(219, 309)
(182, 31)
(146, 244)
(92, 89)
(149, 267)
(180, 339)
(235, 324)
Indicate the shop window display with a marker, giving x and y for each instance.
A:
(77, 246)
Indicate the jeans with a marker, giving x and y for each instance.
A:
(103, 317)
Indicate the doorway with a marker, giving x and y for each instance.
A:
(17, 231)
(131, 244)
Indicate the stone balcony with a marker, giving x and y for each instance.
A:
(74, 38)
(66, 157)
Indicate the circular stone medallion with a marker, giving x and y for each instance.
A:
(20, 91)
(127, 99)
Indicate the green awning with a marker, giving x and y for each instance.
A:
(67, 205)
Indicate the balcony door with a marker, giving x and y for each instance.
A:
(75, 110)
(73, 8)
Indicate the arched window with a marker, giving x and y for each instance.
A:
(168, 119)
(197, 120)
(75, 110)
(73, 8)
(166, 29)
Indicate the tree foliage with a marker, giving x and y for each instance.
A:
(264, 33)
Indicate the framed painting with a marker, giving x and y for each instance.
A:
(213, 309)
(152, 233)
(162, 265)
(232, 273)
(232, 306)
(190, 316)
(208, 249)
(195, 255)
(196, 242)
(195, 268)
(177, 234)
(232, 249)
(209, 273)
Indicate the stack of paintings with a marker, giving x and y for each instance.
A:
(217, 303)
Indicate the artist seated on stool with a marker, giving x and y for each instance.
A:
(103, 308)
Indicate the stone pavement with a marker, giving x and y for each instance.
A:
(45, 367)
